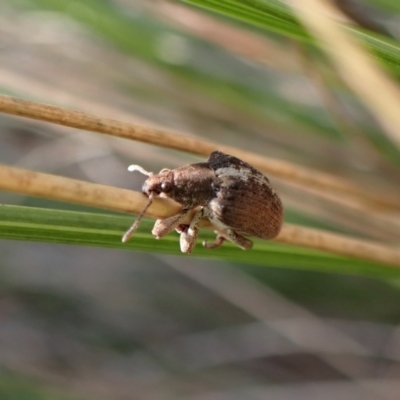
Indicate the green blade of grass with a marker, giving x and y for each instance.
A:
(273, 15)
(105, 230)
(138, 37)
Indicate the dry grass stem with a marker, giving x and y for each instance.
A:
(239, 40)
(69, 190)
(366, 151)
(356, 67)
(339, 244)
(90, 194)
(160, 137)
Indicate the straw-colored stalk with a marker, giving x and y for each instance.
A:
(90, 194)
(160, 137)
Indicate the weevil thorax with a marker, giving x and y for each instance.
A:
(190, 185)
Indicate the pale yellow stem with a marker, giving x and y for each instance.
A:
(358, 69)
(160, 137)
(111, 198)
(339, 244)
(69, 190)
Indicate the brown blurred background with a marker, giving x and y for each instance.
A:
(93, 323)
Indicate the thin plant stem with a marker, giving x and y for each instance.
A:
(111, 198)
(356, 67)
(160, 137)
(54, 187)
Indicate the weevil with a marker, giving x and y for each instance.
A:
(237, 199)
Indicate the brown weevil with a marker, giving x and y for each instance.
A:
(237, 199)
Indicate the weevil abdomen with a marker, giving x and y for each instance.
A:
(245, 199)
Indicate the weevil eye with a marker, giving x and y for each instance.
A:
(166, 187)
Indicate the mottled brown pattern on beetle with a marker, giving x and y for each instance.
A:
(245, 202)
(237, 198)
(198, 190)
(190, 193)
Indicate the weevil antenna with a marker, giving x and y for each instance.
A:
(128, 234)
(135, 167)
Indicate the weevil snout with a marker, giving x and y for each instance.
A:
(148, 187)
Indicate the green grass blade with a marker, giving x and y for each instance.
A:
(275, 16)
(105, 230)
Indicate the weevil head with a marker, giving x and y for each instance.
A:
(160, 184)
(190, 186)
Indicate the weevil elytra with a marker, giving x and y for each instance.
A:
(237, 199)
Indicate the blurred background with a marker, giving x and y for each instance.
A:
(95, 323)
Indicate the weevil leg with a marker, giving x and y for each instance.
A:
(232, 236)
(228, 234)
(189, 233)
(182, 228)
(237, 239)
(217, 243)
(189, 236)
(164, 226)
